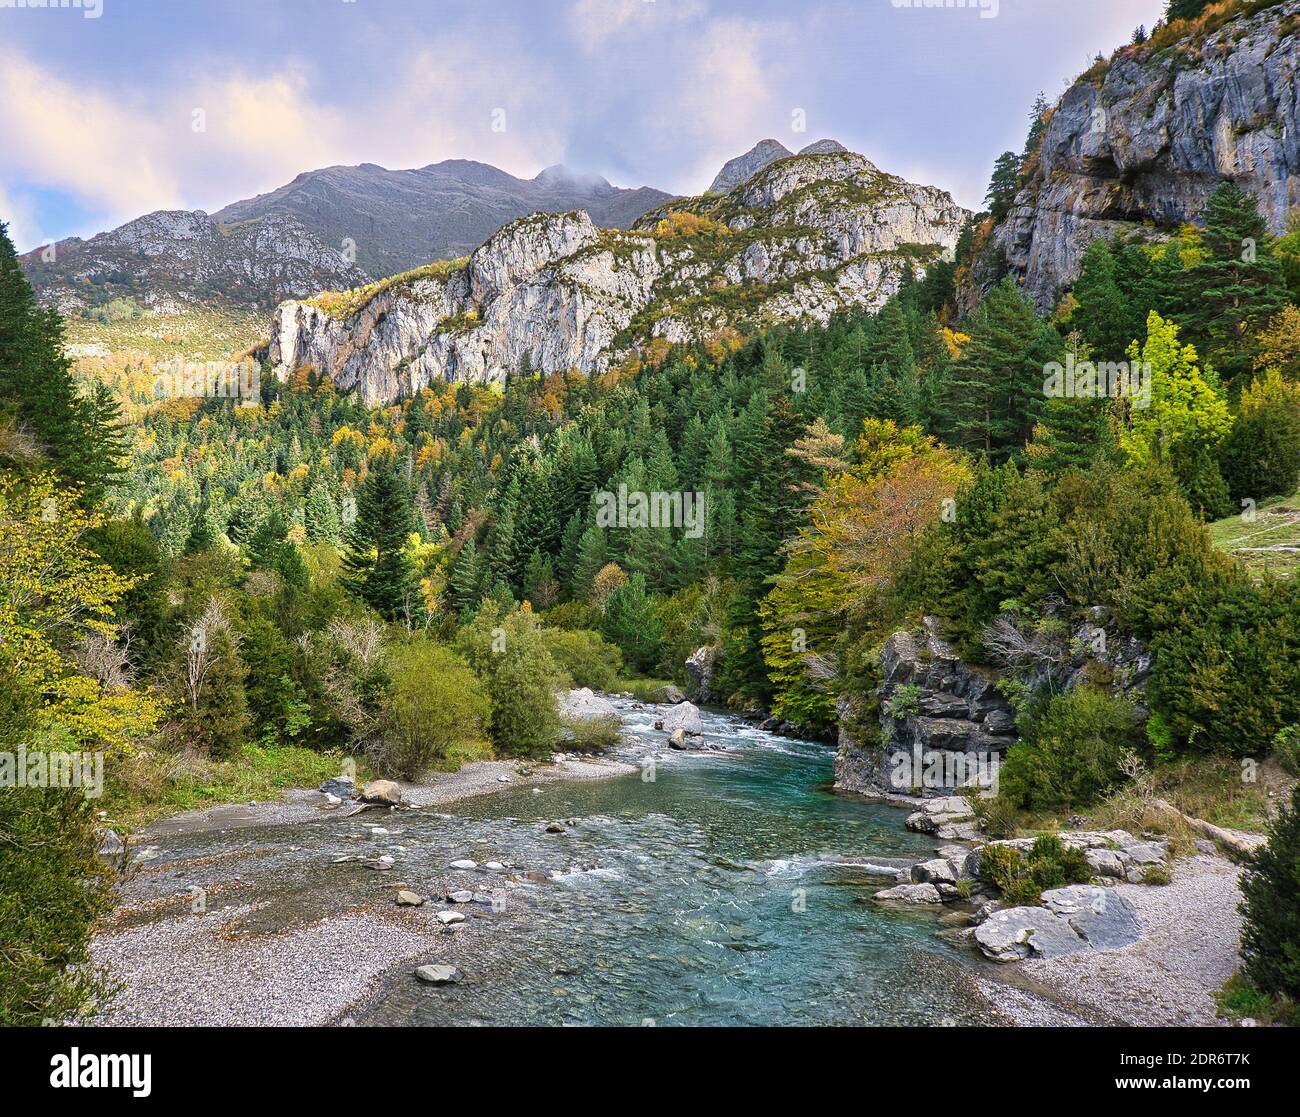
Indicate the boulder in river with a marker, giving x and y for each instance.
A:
(672, 694)
(684, 716)
(383, 791)
(407, 899)
(438, 975)
(584, 704)
(911, 894)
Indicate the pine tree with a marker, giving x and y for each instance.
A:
(1002, 186)
(466, 573)
(376, 567)
(82, 437)
(592, 555)
(321, 513)
(1236, 286)
(1270, 939)
(995, 393)
(1103, 314)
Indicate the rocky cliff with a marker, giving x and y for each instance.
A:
(800, 240)
(942, 719)
(1139, 142)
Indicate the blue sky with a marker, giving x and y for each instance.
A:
(177, 104)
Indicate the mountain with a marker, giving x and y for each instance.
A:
(1140, 141)
(804, 237)
(762, 154)
(400, 219)
(330, 228)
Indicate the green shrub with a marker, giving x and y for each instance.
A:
(1270, 938)
(1286, 747)
(591, 734)
(510, 655)
(587, 658)
(1072, 751)
(1023, 879)
(53, 890)
(434, 713)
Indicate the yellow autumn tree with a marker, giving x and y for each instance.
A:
(57, 634)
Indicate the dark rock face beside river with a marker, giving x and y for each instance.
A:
(933, 707)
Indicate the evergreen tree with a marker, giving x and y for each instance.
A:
(1103, 314)
(375, 564)
(1236, 286)
(995, 393)
(1270, 938)
(1002, 186)
(321, 513)
(466, 574)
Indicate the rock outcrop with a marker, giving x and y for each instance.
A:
(802, 239)
(942, 722)
(699, 673)
(1139, 143)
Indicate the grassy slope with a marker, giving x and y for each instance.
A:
(1271, 543)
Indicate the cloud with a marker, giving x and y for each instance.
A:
(62, 136)
(19, 214)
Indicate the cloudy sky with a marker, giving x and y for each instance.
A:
(161, 104)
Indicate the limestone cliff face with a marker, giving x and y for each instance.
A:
(802, 239)
(1142, 144)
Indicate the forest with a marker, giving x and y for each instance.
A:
(228, 596)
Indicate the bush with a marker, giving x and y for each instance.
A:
(1286, 747)
(1023, 879)
(1072, 752)
(591, 734)
(53, 889)
(1270, 938)
(511, 657)
(587, 658)
(433, 715)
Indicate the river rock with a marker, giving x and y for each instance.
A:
(937, 871)
(110, 845)
(1015, 933)
(438, 975)
(493, 866)
(344, 787)
(554, 828)
(584, 704)
(460, 896)
(1100, 915)
(383, 791)
(380, 864)
(1105, 863)
(672, 694)
(911, 894)
(464, 864)
(407, 899)
(449, 917)
(699, 673)
(684, 716)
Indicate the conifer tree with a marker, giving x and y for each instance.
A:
(375, 564)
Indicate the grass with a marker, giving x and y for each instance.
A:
(201, 333)
(340, 304)
(1238, 999)
(1270, 544)
(151, 784)
(1210, 788)
(645, 690)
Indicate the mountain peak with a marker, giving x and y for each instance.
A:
(823, 147)
(742, 167)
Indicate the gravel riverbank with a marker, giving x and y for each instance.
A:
(260, 962)
(1187, 949)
